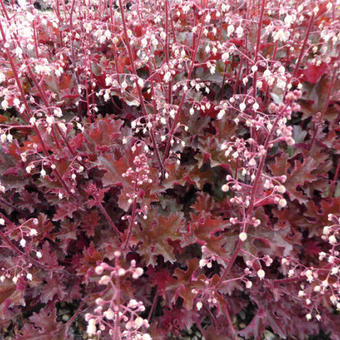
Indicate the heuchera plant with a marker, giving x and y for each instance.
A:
(168, 165)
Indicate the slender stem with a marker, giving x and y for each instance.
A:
(133, 215)
(154, 301)
(28, 112)
(167, 45)
(17, 127)
(71, 29)
(35, 39)
(336, 175)
(65, 140)
(174, 124)
(258, 41)
(287, 280)
(72, 319)
(21, 253)
(199, 326)
(252, 200)
(139, 90)
(303, 46)
(55, 137)
(109, 220)
(230, 322)
(330, 88)
(116, 332)
(87, 90)
(115, 57)
(7, 203)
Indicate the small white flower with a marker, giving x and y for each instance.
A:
(221, 114)
(261, 274)
(43, 173)
(39, 254)
(242, 106)
(18, 52)
(225, 56)
(202, 263)
(108, 81)
(199, 305)
(107, 34)
(124, 85)
(317, 289)
(146, 336)
(137, 273)
(242, 236)
(109, 314)
(3, 138)
(335, 270)
(235, 154)
(23, 242)
(50, 120)
(144, 42)
(322, 255)
(239, 32)
(230, 30)
(29, 276)
(282, 203)
(107, 96)
(121, 272)
(139, 322)
(281, 189)
(16, 102)
(332, 239)
(252, 162)
(167, 77)
(249, 284)
(225, 188)
(91, 327)
(57, 112)
(140, 82)
(104, 280)
(2, 221)
(99, 270)
(212, 69)
(290, 272)
(9, 138)
(326, 230)
(33, 232)
(333, 299)
(325, 283)
(256, 106)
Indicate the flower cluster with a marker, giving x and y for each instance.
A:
(110, 314)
